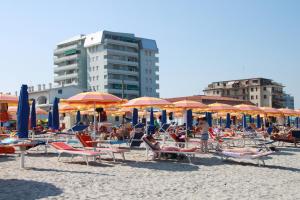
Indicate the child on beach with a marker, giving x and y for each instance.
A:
(204, 134)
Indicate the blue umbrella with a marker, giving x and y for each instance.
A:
(163, 117)
(209, 118)
(220, 121)
(151, 117)
(55, 114)
(78, 117)
(228, 121)
(23, 113)
(49, 124)
(297, 122)
(135, 116)
(251, 119)
(33, 115)
(258, 121)
(289, 121)
(189, 119)
(244, 121)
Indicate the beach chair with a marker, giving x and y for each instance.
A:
(6, 149)
(62, 147)
(88, 143)
(157, 151)
(245, 153)
(136, 137)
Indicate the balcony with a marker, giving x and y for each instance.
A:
(156, 68)
(65, 76)
(156, 77)
(66, 67)
(58, 51)
(123, 72)
(121, 62)
(65, 58)
(119, 52)
(119, 91)
(129, 44)
(119, 81)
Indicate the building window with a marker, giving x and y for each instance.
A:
(218, 92)
(97, 78)
(97, 58)
(218, 84)
(265, 96)
(244, 91)
(59, 91)
(256, 97)
(97, 67)
(252, 89)
(252, 97)
(228, 92)
(265, 88)
(256, 89)
(105, 76)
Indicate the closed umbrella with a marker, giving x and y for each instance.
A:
(288, 121)
(55, 114)
(49, 124)
(220, 121)
(297, 122)
(209, 118)
(78, 117)
(228, 121)
(244, 121)
(258, 121)
(163, 117)
(135, 116)
(189, 119)
(151, 128)
(33, 115)
(23, 113)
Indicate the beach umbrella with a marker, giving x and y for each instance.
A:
(220, 121)
(228, 120)
(249, 109)
(9, 99)
(189, 119)
(23, 113)
(258, 121)
(289, 112)
(250, 119)
(221, 108)
(288, 121)
(273, 112)
(33, 115)
(163, 117)
(244, 121)
(297, 122)
(13, 110)
(208, 116)
(188, 104)
(49, 124)
(151, 117)
(55, 114)
(65, 108)
(135, 116)
(147, 102)
(78, 117)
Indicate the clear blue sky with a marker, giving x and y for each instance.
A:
(199, 41)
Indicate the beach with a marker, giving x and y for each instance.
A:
(207, 178)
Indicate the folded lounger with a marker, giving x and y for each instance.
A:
(88, 143)
(62, 147)
(170, 150)
(245, 153)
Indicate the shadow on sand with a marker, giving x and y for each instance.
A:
(66, 171)
(6, 158)
(15, 189)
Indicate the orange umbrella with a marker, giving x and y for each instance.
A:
(222, 108)
(289, 112)
(146, 102)
(92, 98)
(271, 111)
(13, 110)
(65, 108)
(11, 100)
(188, 104)
(249, 109)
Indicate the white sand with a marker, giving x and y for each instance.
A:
(208, 178)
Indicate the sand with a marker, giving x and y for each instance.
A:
(208, 178)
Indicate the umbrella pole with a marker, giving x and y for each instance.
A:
(94, 121)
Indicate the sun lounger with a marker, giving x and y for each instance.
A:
(245, 153)
(157, 151)
(88, 143)
(62, 147)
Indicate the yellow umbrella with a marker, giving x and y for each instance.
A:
(222, 108)
(147, 102)
(289, 112)
(9, 99)
(66, 108)
(13, 110)
(271, 111)
(249, 109)
(188, 104)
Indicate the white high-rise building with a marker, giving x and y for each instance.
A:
(120, 64)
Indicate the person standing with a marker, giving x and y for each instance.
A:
(204, 134)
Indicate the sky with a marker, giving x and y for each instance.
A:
(199, 41)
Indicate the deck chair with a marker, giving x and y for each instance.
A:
(88, 143)
(136, 138)
(157, 151)
(245, 153)
(62, 147)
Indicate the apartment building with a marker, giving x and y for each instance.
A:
(118, 63)
(289, 101)
(259, 91)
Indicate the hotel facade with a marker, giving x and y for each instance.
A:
(117, 63)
